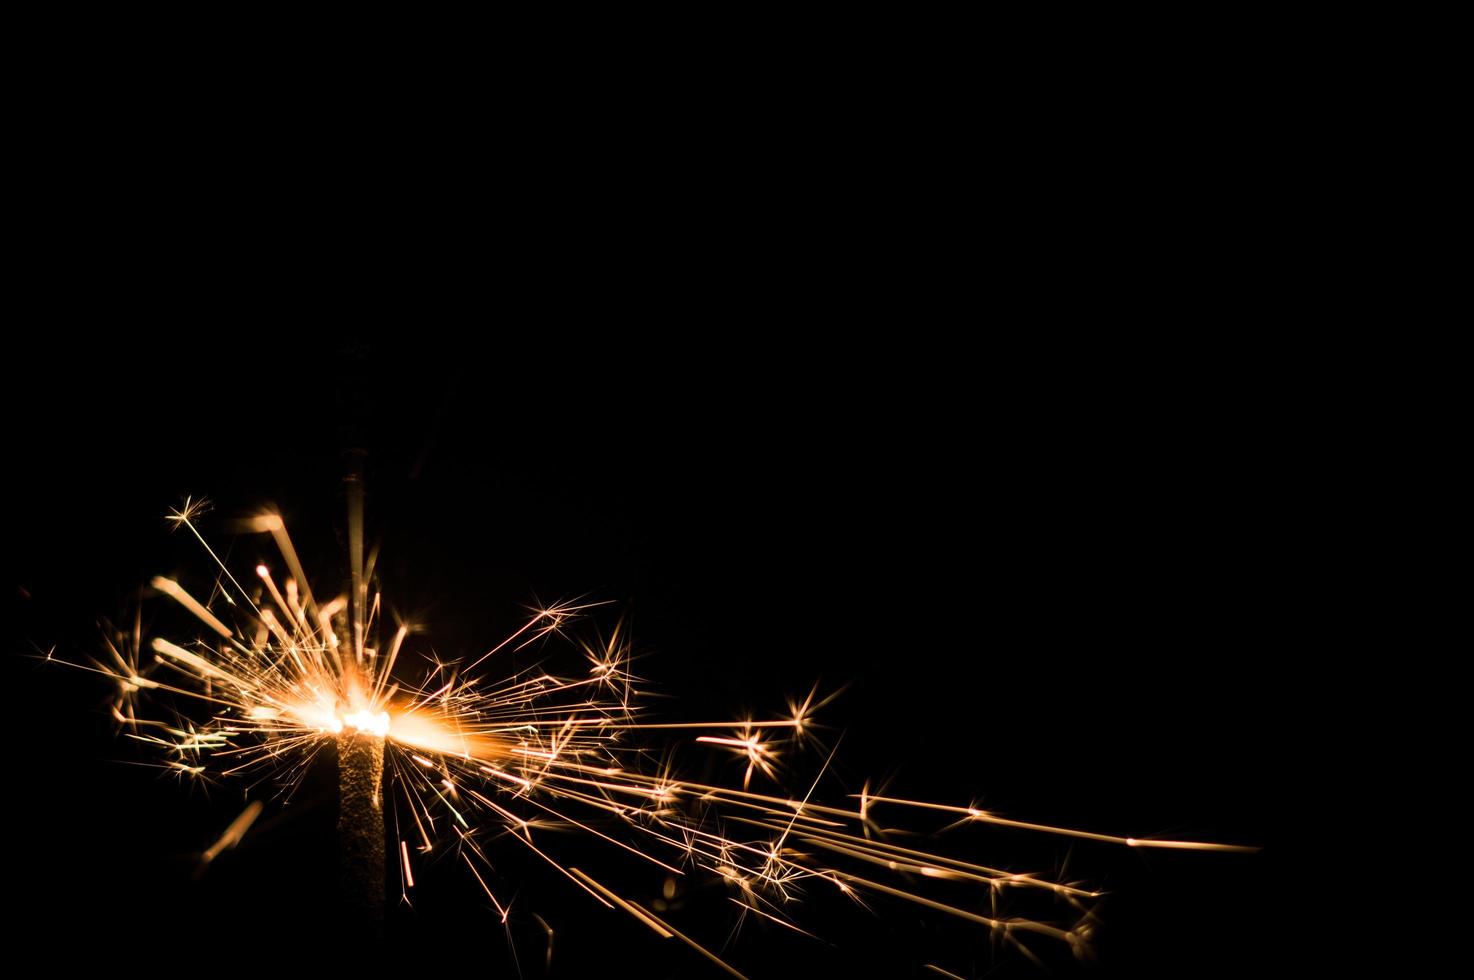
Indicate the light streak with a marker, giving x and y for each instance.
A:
(234, 832)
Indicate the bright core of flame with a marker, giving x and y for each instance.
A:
(368, 722)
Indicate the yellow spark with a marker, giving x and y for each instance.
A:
(234, 832)
(172, 588)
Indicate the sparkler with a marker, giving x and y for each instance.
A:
(279, 676)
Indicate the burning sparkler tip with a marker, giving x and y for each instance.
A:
(275, 670)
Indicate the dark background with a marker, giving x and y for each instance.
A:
(1060, 578)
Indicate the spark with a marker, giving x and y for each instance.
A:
(234, 832)
(276, 676)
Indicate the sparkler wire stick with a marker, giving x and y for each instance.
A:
(360, 755)
(361, 828)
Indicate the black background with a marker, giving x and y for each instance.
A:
(1060, 579)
